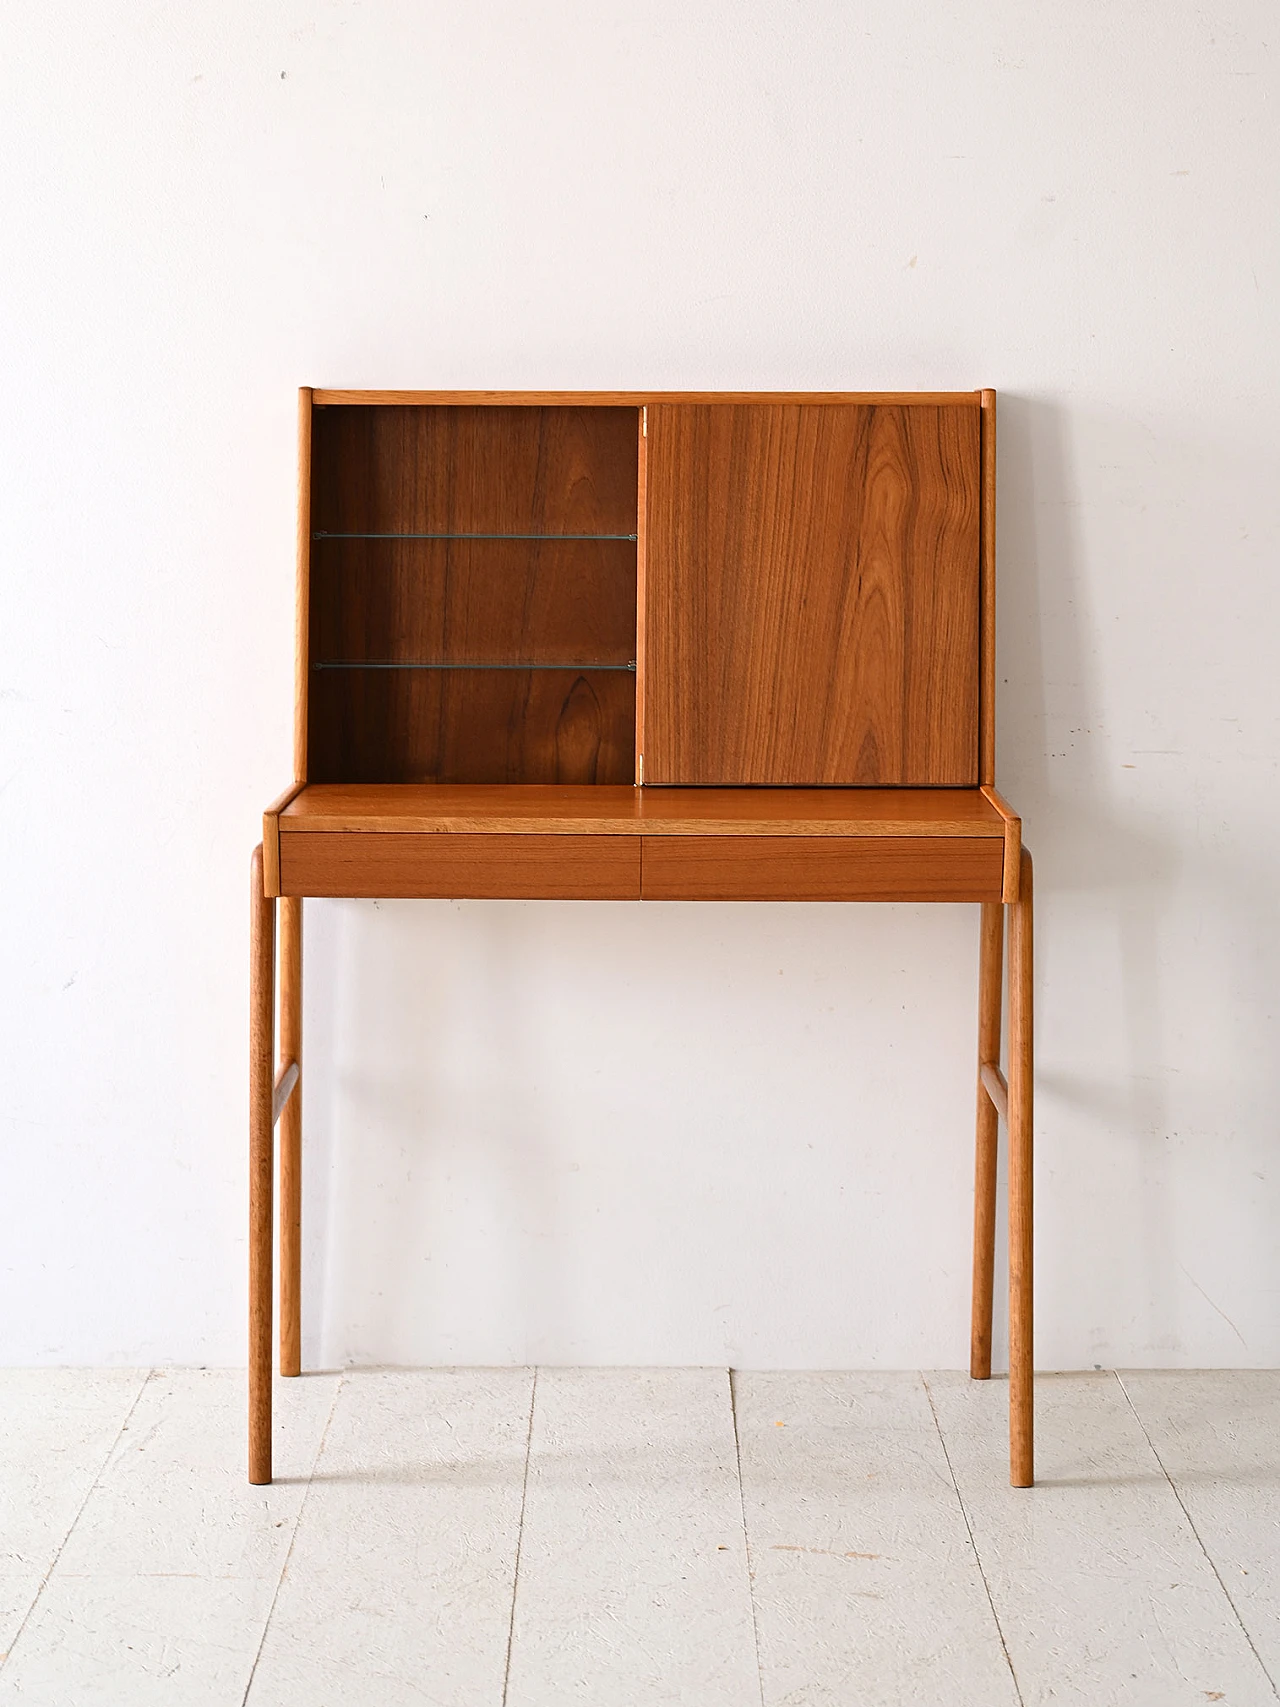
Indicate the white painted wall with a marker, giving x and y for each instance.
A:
(607, 1134)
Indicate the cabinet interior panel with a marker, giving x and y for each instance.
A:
(497, 538)
(474, 601)
(481, 469)
(550, 726)
(812, 595)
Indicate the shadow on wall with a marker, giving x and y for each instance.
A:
(1142, 891)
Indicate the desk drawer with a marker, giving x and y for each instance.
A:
(822, 868)
(388, 864)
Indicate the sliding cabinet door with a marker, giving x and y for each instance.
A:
(811, 593)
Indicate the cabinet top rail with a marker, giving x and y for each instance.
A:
(321, 397)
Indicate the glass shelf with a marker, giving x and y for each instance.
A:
(322, 534)
(434, 664)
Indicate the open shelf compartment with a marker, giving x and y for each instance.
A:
(472, 583)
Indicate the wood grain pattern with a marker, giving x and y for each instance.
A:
(286, 1081)
(456, 867)
(1012, 841)
(642, 485)
(515, 809)
(261, 1166)
(271, 838)
(987, 678)
(996, 1086)
(803, 868)
(468, 469)
(1021, 1201)
(290, 1140)
(270, 854)
(302, 614)
(812, 595)
(474, 601)
(327, 397)
(986, 1147)
(497, 726)
(474, 471)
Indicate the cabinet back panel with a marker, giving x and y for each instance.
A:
(454, 469)
(505, 473)
(473, 726)
(812, 594)
(458, 601)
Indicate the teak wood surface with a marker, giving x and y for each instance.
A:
(1021, 1146)
(261, 1170)
(478, 809)
(501, 725)
(812, 595)
(326, 398)
(1012, 842)
(779, 603)
(290, 1142)
(987, 639)
(476, 601)
(302, 608)
(986, 1151)
(531, 842)
(418, 867)
(473, 594)
(466, 470)
(820, 868)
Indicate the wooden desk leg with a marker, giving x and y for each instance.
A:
(1021, 1359)
(291, 1139)
(261, 1163)
(990, 993)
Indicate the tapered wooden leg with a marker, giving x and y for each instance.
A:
(291, 1139)
(261, 1085)
(1021, 1451)
(990, 967)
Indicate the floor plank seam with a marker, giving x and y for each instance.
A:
(746, 1533)
(515, 1574)
(93, 1487)
(1173, 1488)
(297, 1524)
(973, 1543)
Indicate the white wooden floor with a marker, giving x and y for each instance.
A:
(467, 1538)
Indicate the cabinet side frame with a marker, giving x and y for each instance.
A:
(302, 629)
(642, 499)
(987, 596)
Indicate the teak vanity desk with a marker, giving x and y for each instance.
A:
(644, 646)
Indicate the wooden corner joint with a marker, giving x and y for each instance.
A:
(1010, 887)
(286, 1081)
(270, 855)
(996, 1086)
(271, 840)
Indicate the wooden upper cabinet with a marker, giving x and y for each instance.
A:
(810, 601)
(737, 589)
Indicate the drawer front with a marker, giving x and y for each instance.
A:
(388, 865)
(822, 868)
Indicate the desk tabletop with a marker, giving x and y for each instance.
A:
(524, 808)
